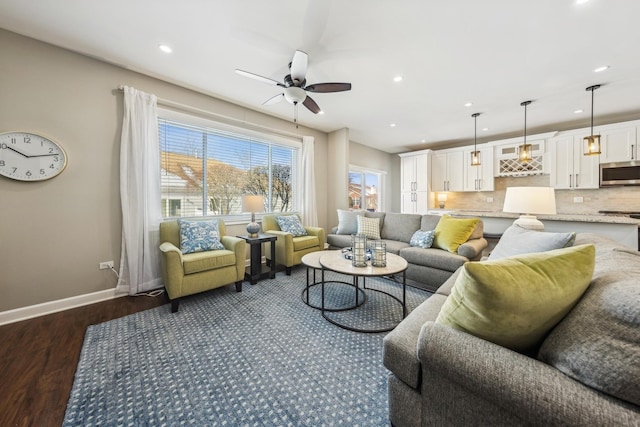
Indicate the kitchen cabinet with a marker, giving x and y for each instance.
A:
(619, 145)
(447, 170)
(414, 183)
(569, 167)
(478, 178)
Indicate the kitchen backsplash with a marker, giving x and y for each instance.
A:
(610, 199)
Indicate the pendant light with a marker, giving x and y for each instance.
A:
(592, 142)
(475, 154)
(524, 151)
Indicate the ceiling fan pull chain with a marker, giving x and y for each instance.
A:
(295, 114)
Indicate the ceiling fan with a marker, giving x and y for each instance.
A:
(295, 89)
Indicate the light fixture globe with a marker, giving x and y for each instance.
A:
(524, 150)
(475, 154)
(294, 94)
(592, 142)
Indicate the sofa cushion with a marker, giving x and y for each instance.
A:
(394, 247)
(452, 232)
(347, 221)
(291, 224)
(379, 215)
(370, 227)
(433, 257)
(208, 260)
(339, 240)
(429, 222)
(515, 301)
(198, 236)
(597, 342)
(422, 239)
(305, 242)
(400, 227)
(517, 240)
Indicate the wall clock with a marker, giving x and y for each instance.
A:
(27, 156)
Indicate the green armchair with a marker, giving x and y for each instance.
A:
(187, 274)
(289, 249)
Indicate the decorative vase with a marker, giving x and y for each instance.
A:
(359, 250)
(378, 253)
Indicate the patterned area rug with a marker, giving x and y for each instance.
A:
(256, 358)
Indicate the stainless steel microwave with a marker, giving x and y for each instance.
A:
(621, 173)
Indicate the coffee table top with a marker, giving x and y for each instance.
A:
(335, 260)
(312, 259)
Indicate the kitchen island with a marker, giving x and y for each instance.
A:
(620, 228)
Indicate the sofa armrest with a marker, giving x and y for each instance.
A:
(472, 249)
(317, 231)
(492, 376)
(238, 246)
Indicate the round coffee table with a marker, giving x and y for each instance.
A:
(312, 262)
(335, 261)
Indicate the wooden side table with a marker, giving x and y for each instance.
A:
(256, 270)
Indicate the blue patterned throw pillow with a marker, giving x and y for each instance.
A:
(291, 224)
(198, 236)
(422, 239)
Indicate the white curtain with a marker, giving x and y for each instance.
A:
(140, 194)
(309, 210)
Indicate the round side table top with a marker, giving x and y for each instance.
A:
(335, 260)
(312, 259)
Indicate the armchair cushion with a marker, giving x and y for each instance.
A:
(291, 224)
(209, 260)
(199, 236)
(305, 242)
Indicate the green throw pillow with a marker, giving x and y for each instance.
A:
(515, 301)
(452, 232)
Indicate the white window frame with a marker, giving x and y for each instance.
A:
(382, 178)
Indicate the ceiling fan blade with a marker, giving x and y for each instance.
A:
(311, 105)
(262, 79)
(299, 66)
(328, 87)
(274, 100)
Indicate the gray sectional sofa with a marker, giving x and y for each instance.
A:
(428, 268)
(585, 373)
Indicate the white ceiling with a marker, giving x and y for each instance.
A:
(494, 53)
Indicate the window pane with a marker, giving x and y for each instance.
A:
(235, 165)
(371, 188)
(355, 190)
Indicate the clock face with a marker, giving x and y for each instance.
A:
(29, 157)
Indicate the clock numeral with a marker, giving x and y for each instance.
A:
(42, 171)
(13, 141)
(51, 166)
(55, 158)
(50, 150)
(28, 173)
(27, 139)
(3, 146)
(14, 170)
(2, 163)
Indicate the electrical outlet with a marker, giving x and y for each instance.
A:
(106, 265)
(578, 199)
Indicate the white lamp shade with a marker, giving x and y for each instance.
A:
(530, 200)
(442, 197)
(252, 203)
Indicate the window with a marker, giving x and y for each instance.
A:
(206, 169)
(365, 188)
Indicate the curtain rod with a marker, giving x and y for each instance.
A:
(190, 109)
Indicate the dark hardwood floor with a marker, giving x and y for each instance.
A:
(38, 359)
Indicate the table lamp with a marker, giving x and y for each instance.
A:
(529, 201)
(442, 197)
(253, 203)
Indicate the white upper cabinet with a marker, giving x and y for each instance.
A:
(447, 170)
(569, 167)
(478, 178)
(619, 145)
(414, 182)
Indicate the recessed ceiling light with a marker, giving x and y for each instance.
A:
(423, 140)
(468, 104)
(320, 112)
(165, 48)
(392, 125)
(485, 129)
(581, 1)
(601, 69)
(578, 111)
(398, 79)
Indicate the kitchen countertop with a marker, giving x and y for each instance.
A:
(601, 218)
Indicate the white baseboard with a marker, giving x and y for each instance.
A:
(24, 313)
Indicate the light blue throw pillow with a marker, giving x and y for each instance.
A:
(517, 241)
(422, 239)
(199, 236)
(291, 224)
(348, 221)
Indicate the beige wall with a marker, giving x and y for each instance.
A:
(53, 234)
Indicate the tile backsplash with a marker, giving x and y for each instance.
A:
(610, 199)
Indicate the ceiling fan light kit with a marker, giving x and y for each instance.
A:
(295, 88)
